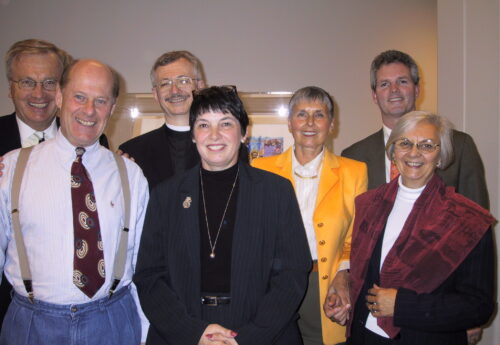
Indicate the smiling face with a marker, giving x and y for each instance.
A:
(395, 92)
(36, 107)
(86, 102)
(175, 102)
(416, 168)
(218, 138)
(310, 125)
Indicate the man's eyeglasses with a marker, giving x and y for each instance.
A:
(425, 146)
(184, 83)
(30, 84)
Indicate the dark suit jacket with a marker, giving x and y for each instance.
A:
(9, 134)
(463, 301)
(465, 173)
(152, 153)
(269, 265)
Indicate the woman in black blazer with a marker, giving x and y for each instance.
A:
(223, 258)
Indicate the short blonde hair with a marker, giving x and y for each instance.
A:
(34, 46)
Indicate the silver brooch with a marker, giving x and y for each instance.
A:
(187, 202)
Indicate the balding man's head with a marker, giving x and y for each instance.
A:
(86, 99)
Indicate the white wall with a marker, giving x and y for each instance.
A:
(469, 89)
(258, 45)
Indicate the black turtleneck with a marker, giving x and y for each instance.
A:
(216, 272)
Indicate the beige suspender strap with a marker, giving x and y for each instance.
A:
(22, 160)
(121, 255)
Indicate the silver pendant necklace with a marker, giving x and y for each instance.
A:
(212, 246)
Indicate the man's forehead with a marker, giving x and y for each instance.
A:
(90, 78)
(26, 60)
(177, 68)
(394, 69)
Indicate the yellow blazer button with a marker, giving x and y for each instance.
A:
(320, 225)
(323, 259)
(322, 242)
(325, 277)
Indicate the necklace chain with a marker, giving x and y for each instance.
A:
(212, 246)
(305, 177)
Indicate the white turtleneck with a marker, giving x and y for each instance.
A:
(405, 199)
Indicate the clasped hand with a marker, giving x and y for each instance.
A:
(338, 303)
(215, 334)
(380, 302)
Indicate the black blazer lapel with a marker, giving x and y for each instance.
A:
(188, 222)
(249, 211)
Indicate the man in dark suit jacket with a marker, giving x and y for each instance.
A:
(395, 87)
(169, 149)
(34, 68)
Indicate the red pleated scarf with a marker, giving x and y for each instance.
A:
(441, 230)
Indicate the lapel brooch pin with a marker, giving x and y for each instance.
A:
(187, 202)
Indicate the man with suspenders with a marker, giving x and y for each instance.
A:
(71, 216)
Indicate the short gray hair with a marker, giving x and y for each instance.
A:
(312, 93)
(34, 47)
(393, 56)
(410, 120)
(170, 57)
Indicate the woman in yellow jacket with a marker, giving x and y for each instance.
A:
(325, 185)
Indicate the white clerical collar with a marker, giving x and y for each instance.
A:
(26, 131)
(178, 128)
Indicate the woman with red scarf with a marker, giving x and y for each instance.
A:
(422, 255)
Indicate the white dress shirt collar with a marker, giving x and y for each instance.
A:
(387, 133)
(26, 131)
(309, 169)
(67, 150)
